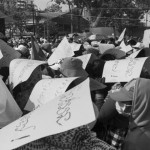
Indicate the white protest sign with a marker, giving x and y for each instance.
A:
(125, 48)
(8, 54)
(146, 38)
(63, 50)
(21, 69)
(104, 47)
(1, 55)
(123, 70)
(133, 55)
(121, 35)
(85, 59)
(47, 89)
(9, 110)
(70, 110)
(139, 45)
(75, 46)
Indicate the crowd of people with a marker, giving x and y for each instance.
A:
(121, 108)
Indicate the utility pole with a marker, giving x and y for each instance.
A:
(47, 24)
(71, 7)
(33, 15)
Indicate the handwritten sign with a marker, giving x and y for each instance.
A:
(85, 59)
(70, 110)
(104, 47)
(125, 48)
(1, 55)
(8, 54)
(63, 50)
(9, 110)
(121, 37)
(123, 70)
(75, 46)
(146, 38)
(21, 69)
(47, 89)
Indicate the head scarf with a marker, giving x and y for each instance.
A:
(138, 137)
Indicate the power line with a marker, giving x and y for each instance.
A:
(97, 17)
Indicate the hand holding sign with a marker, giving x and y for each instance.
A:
(61, 114)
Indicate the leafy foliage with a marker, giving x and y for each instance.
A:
(54, 8)
(116, 13)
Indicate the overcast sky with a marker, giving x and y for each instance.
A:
(42, 4)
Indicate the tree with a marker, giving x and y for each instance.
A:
(54, 8)
(116, 13)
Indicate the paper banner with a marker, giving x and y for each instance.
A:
(146, 38)
(9, 110)
(121, 37)
(75, 46)
(63, 50)
(21, 69)
(125, 48)
(68, 111)
(1, 55)
(47, 89)
(123, 70)
(133, 55)
(104, 47)
(8, 54)
(85, 59)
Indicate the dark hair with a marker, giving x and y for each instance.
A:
(108, 57)
(95, 69)
(4, 71)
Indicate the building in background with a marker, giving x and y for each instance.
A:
(24, 4)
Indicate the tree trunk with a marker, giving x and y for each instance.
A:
(94, 24)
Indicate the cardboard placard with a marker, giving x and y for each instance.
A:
(121, 37)
(46, 90)
(9, 109)
(63, 50)
(8, 54)
(125, 48)
(85, 59)
(70, 110)
(123, 70)
(75, 46)
(21, 69)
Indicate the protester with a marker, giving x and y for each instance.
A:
(133, 101)
(121, 109)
